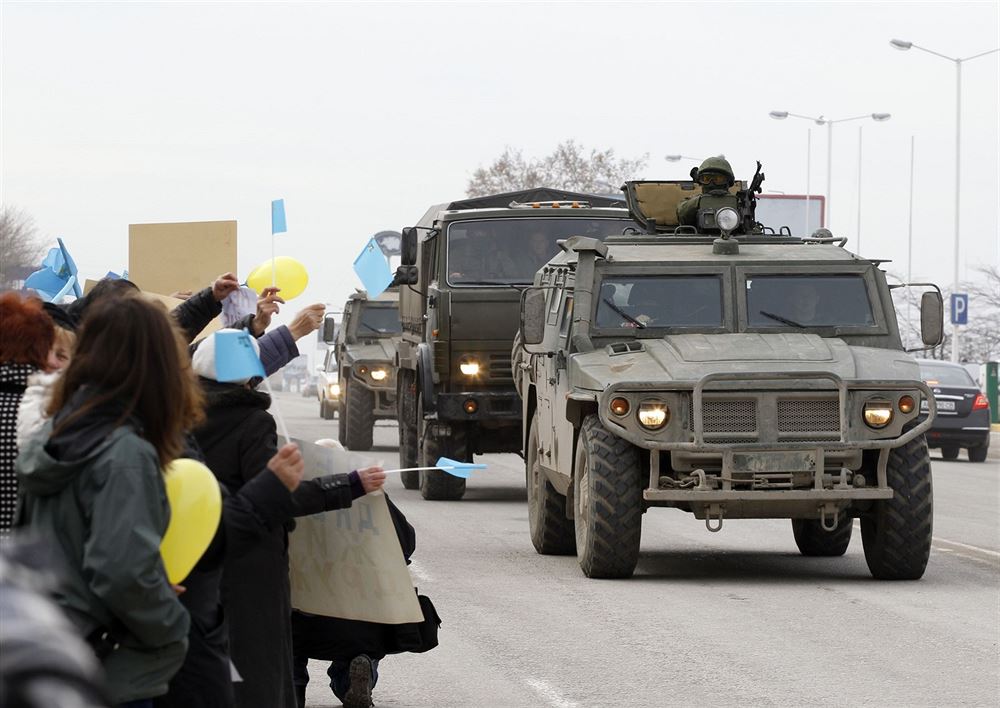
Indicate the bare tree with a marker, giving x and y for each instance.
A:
(20, 246)
(569, 167)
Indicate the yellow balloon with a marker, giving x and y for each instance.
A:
(290, 276)
(195, 511)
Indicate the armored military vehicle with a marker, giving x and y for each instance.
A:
(365, 350)
(464, 266)
(758, 376)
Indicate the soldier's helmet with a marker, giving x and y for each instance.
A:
(715, 172)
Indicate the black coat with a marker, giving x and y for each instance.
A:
(238, 439)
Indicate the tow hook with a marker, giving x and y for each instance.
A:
(714, 511)
(826, 512)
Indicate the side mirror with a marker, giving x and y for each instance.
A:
(329, 330)
(533, 316)
(405, 275)
(408, 249)
(931, 318)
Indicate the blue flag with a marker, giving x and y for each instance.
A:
(278, 225)
(373, 269)
(456, 468)
(56, 276)
(235, 358)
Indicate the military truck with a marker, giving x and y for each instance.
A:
(731, 377)
(463, 267)
(365, 349)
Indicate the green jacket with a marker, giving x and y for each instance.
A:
(687, 210)
(96, 493)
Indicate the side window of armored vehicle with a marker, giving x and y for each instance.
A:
(807, 300)
(660, 301)
(567, 319)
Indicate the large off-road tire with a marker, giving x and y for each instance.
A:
(360, 405)
(978, 454)
(950, 452)
(342, 423)
(896, 533)
(406, 408)
(436, 485)
(326, 409)
(813, 540)
(551, 532)
(607, 502)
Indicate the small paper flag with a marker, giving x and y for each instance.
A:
(373, 269)
(235, 358)
(278, 225)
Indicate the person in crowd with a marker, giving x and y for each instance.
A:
(238, 438)
(92, 483)
(31, 411)
(28, 333)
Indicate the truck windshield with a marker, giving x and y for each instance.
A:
(801, 301)
(509, 251)
(661, 301)
(379, 320)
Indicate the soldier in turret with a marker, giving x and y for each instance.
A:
(715, 175)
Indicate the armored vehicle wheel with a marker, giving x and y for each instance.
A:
(551, 532)
(342, 423)
(407, 429)
(978, 454)
(813, 540)
(950, 452)
(326, 410)
(607, 502)
(897, 532)
(360, 405)
(436, 485)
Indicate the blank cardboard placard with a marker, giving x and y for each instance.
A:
(167, 258)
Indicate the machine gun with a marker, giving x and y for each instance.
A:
(747, 202)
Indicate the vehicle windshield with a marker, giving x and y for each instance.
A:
(379, 320)
(943, 375)
(660, 301)
(802, 301)
(510, 251)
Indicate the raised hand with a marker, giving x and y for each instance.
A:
(288, 466)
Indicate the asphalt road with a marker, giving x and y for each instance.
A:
(732, 618)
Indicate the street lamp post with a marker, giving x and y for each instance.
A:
(781, 115)
(903, 45)
(678, 158)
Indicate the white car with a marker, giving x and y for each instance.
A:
(328, 386)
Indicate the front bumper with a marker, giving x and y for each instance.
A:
(497, 407)
(972, 430)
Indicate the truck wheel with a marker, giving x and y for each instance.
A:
(607, 502)
(407, 421)
(436, 485)
(342, 423)
(896, 533)
(950, 452)
(360, 417)
(551, 532)
(978, 454)
(813, 540)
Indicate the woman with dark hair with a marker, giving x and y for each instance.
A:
(24, 348)
(92, 483)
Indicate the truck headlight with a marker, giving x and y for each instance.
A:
(727, 219)
(333, 390)
(877, 414)
(379, 374)
(653, 415)
(469, 367)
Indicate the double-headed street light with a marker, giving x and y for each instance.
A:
(878, 117)
(903, 45)
(678, 158)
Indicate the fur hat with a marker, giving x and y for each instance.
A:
(203, 359)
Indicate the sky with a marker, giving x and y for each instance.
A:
(361, 115)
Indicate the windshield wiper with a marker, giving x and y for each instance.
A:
(620, 311)
(783, 320)
(373, 329)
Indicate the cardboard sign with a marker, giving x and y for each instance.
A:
(348, 563)
(168, 258)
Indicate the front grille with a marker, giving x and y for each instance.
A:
(800, 415)
(499, 368)
(734, 416)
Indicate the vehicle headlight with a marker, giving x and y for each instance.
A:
(333, 389)
(727, 219)
(878, 414)
(469, 367)
(619, 406)
(379, 374)
(907, 404)
(653, 415)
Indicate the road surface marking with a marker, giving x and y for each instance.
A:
(960, 549)
(550, 694)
